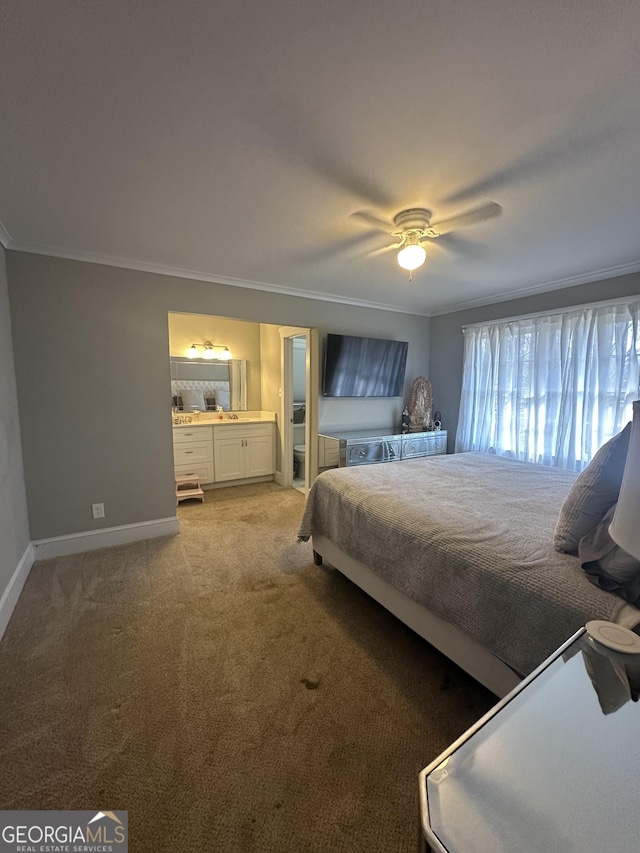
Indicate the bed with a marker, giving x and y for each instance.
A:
(460, 548)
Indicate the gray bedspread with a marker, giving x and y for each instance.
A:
(470, 536)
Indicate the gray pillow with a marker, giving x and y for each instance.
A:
(606, 564)
(593, 493)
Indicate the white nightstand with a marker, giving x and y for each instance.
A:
(553, 767)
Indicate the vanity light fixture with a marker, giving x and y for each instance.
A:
(210, 351)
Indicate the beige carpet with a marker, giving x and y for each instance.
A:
(225, 691)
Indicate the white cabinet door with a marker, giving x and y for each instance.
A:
(229, 459)
(259, 456)
(242, 451)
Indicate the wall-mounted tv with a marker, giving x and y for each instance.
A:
(364, 367)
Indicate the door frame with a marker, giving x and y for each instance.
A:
(287, 333)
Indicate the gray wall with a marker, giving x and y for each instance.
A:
(92, 365)
(14, 527)
(447, 342)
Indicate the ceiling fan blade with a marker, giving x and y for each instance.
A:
(298, 138)
(471, 217)
(576, 139)
(332, 251)
(385, 249)
(460, 246)
(372, 219)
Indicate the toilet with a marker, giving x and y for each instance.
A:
(299, 454)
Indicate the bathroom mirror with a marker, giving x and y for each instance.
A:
(201, 385)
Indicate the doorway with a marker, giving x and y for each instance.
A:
(299, 402)
(268, 382)
(298, 425)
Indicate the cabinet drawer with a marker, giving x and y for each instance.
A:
(412, 447)
(436, 444)
(240, 430)
(373, 451)
(203, 470)
(187, 454)
(189, 434)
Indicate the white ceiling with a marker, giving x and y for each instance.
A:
(232, 141)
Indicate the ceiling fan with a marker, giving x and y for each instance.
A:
(413, 229)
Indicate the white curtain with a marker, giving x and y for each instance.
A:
(553, 388)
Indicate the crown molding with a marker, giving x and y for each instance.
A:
(195, 275)
(556, 284)
(5, 237)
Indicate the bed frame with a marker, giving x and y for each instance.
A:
(458, 646)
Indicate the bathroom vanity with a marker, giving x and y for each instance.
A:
(226, 452)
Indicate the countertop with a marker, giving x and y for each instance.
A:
(214, 420)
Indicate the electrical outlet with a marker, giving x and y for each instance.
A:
(97, 510)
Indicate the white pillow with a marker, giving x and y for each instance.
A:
(192, 400)
(598, 549)
(593, 493)
(607, 565)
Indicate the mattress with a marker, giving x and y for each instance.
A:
(470, 537)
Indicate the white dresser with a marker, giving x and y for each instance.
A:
(328, 452)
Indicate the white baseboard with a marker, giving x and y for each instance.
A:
(90, 540)
(12, 593)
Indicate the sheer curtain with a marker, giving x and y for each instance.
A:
(551, 388)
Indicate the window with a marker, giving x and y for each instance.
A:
(553, 388)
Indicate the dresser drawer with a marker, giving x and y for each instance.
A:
(190, 434)
(436, 444)
(412, 447)
(370, 452)
(192, 453)
(203, 470)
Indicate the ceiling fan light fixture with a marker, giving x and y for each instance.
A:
(412, 256)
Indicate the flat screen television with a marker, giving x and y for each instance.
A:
(364, 367)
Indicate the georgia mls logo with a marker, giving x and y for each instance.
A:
(63, 832)
(116, 831)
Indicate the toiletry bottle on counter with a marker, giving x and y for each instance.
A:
(220, 415)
